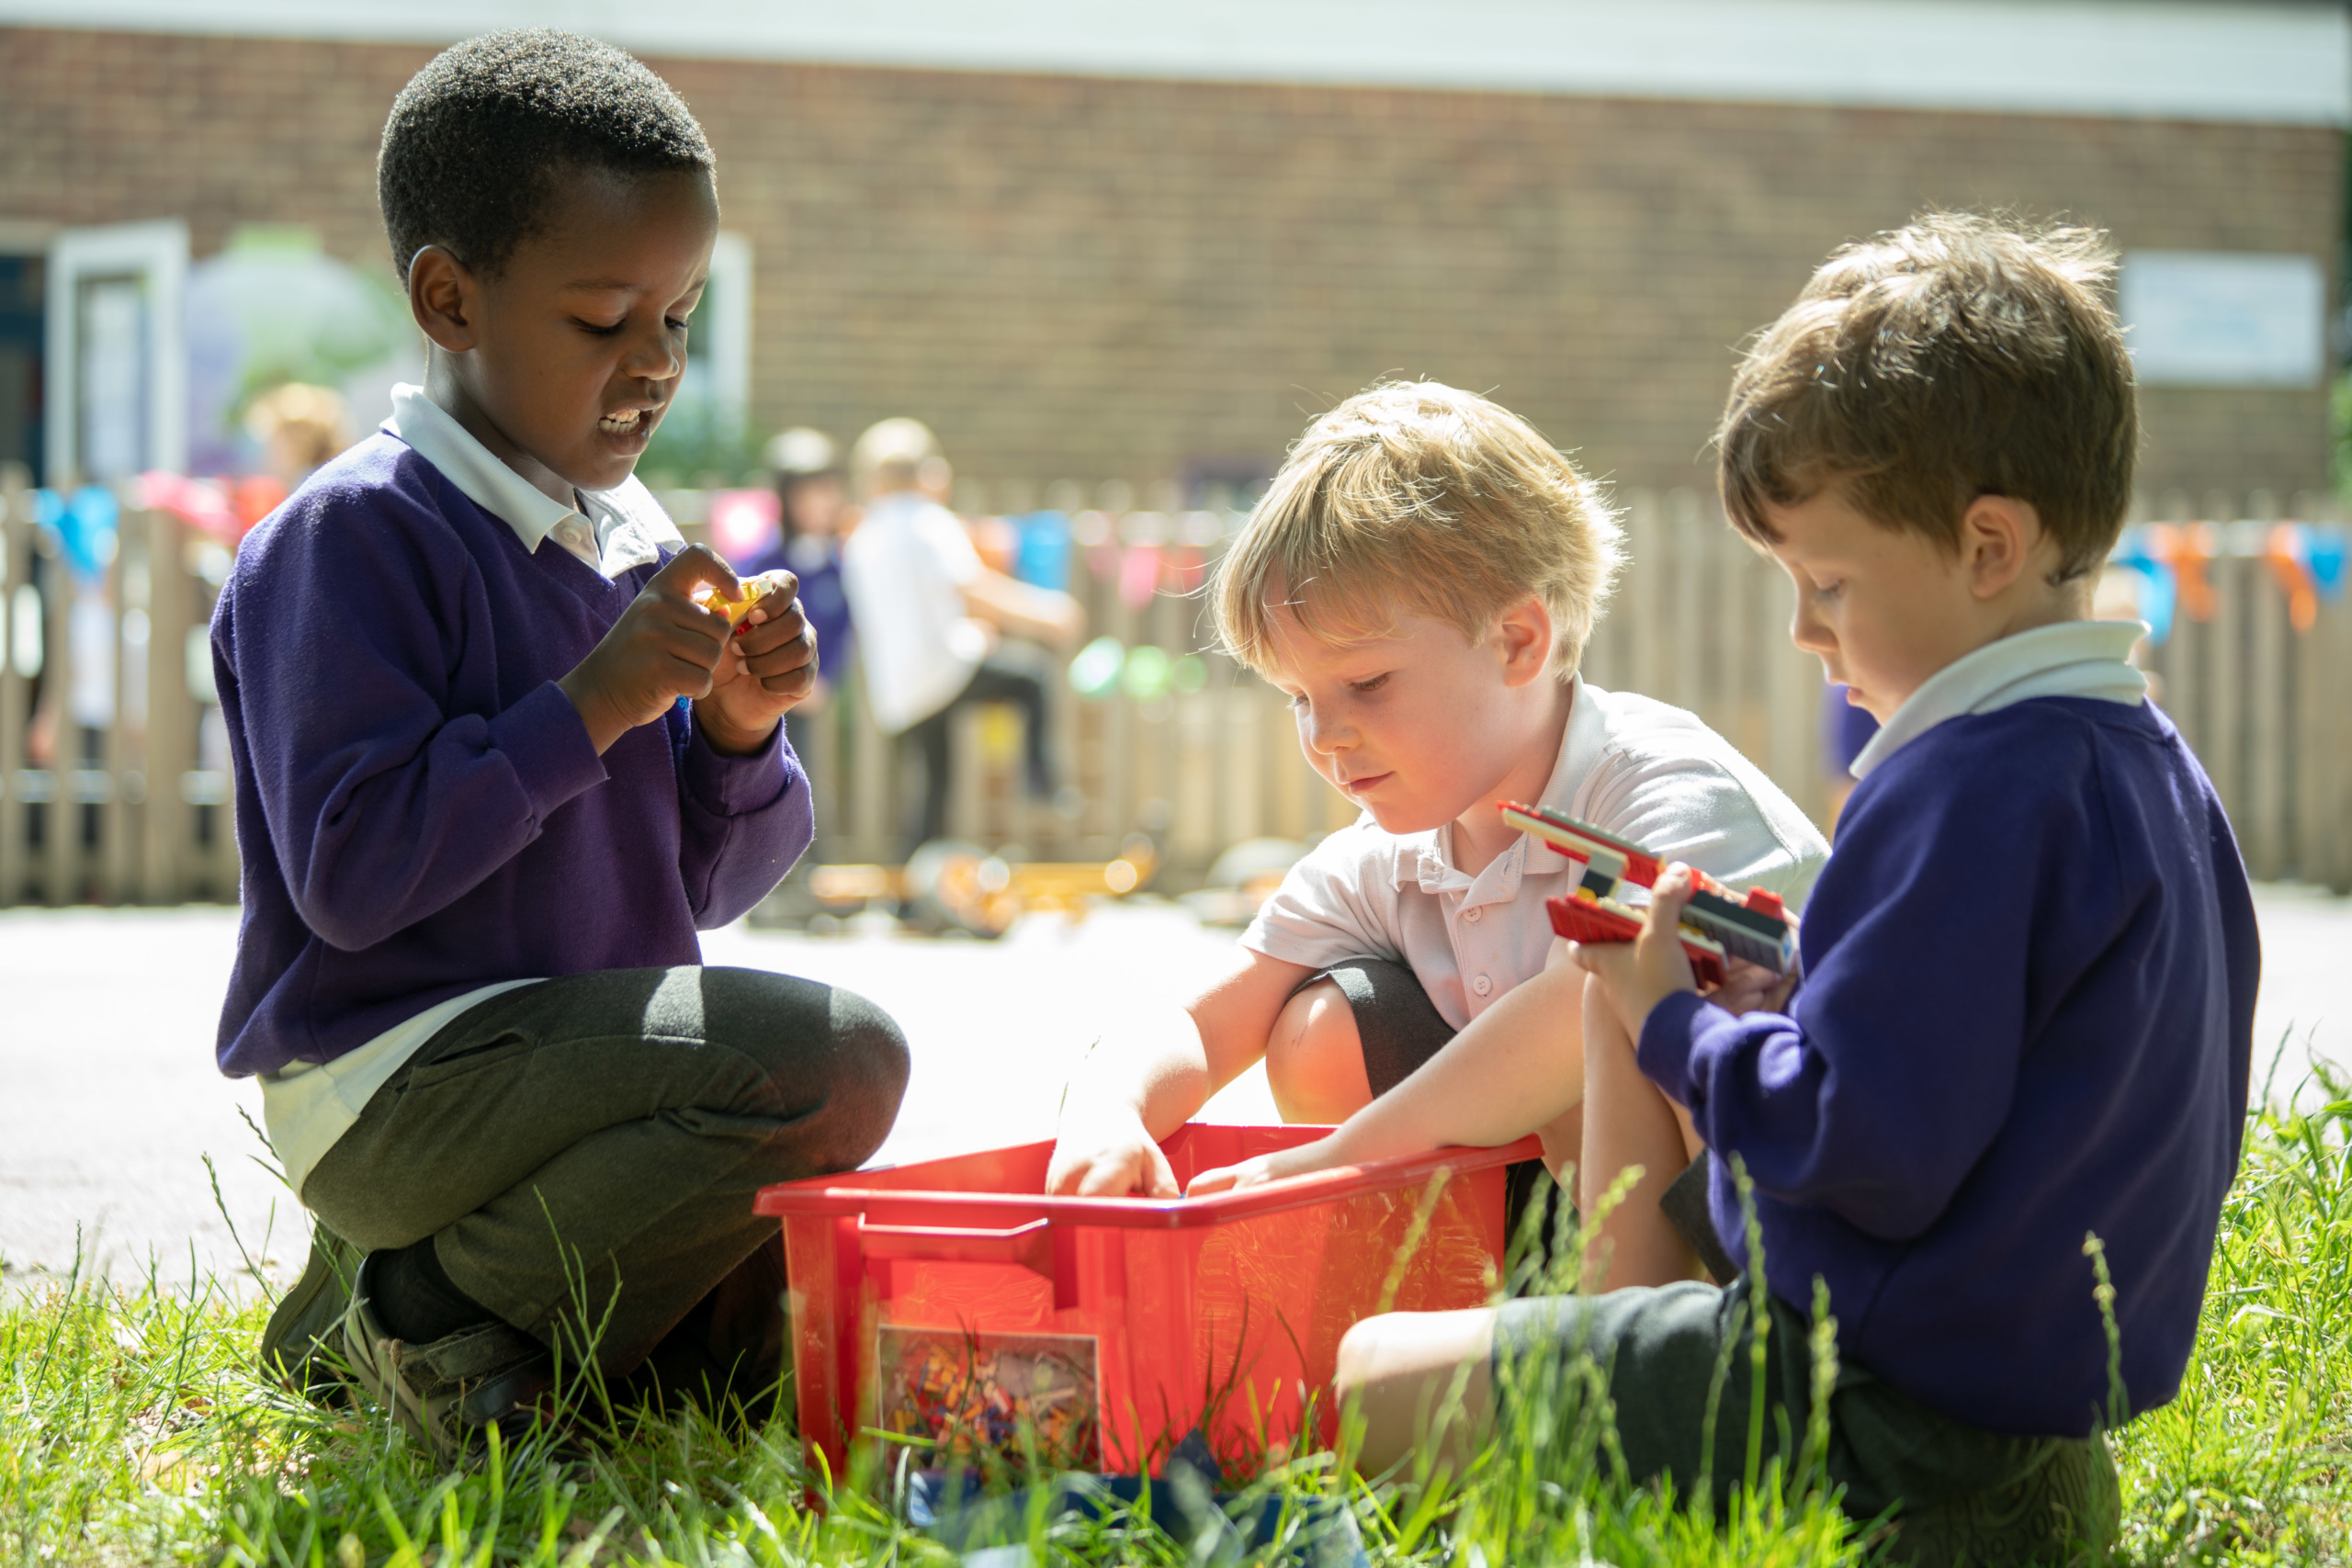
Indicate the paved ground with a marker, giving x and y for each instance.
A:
(109, 1105)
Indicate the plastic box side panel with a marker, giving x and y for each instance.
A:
(824, 1327)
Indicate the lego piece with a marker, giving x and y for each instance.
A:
(1717, 923)
(754, 589)
(1582, 917)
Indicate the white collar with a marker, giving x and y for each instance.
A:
(2072, 659)
(1425, 859)
(628, 523)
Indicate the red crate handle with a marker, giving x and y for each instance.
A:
(1030, 1247)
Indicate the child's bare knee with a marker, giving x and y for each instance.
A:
(1419, 1382)
(1315, 1058)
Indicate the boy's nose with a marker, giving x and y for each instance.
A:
(656, 358)
(1807, 630)
(1320, 735)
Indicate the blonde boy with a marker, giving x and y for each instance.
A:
(1421, 580)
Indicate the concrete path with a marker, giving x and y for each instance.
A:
(109, 1104)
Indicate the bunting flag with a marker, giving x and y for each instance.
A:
(2188, 549)
(2159, 593)
(2287, 550)
(224, 510)
(84, 525)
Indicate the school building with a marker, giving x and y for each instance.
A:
(1092, 242)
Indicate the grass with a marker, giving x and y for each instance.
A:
(133, 1430)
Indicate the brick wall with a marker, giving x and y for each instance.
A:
(1078, 277)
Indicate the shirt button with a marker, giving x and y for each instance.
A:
(1472, 914)
(1482, 985)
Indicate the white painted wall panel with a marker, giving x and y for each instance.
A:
(2283, 62)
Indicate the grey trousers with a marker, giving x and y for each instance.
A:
(1962, 1496)
(584, 1152)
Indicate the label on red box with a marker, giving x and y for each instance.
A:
(966, 1394)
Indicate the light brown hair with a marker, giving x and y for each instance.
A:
(1417, 497)
(1960, 356)
(892, 455)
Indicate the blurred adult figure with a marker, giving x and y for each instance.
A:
(932, 618)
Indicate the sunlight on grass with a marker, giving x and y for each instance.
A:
(132, 1429)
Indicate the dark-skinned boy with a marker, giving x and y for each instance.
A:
(497, 762)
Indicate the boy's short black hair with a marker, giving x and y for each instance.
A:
(476, 137)
(1959, 356)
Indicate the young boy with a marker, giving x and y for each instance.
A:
(496, 764)
(1421, 580)
(928, 615)
(2029, 968)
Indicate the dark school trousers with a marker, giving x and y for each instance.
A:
(1962, 1494)
(1014, 673)
(583, 1153)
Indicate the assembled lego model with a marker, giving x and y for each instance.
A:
(1717, 924)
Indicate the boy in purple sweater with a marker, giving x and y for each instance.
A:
(497, 762)
(2028, 968)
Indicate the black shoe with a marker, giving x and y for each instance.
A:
(444, 1393)
(301, 1347)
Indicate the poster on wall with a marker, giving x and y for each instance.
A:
(2224, 318)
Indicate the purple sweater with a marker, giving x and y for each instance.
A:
(2027, 1014)
(419, 809)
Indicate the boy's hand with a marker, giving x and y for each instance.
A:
(1261, 1168)
(769, 665)
(1750, 987)
(1110, 1154)
(664, 647)
(1635, 975)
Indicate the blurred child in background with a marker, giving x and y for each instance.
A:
(299, 427)
(931, 617)
(814, 516)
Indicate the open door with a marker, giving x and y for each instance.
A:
(116, 359)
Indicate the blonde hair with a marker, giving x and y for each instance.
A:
(1413, 496)
(892, 455)
(305, 424)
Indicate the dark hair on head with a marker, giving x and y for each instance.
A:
(478, 138)
(1960, 356)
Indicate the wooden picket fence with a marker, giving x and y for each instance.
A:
(135, 810)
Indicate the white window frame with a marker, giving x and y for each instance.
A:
(725, 340)
(156, 254)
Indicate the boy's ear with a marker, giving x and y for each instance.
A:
(445, 297)
(1523, 634)
(1999, 536)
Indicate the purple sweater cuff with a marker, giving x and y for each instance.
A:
(737, 786)
(548, 746)
(1668, 1036)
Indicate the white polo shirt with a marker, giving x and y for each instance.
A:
(1628, 765)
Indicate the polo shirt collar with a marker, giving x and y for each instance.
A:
(1425, 859)
(628, 523)
(2072, 659)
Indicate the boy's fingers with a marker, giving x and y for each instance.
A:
(696, 563)
(1673, 891)
(762, 632)
(1209, 1181)
(1160, 1176)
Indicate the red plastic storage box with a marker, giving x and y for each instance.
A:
(953, 1301)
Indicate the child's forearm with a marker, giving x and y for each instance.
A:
(1518, 1068)
(1156, 1068)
